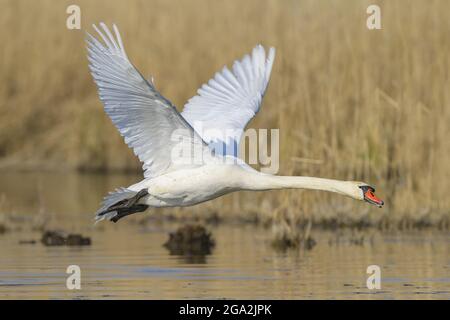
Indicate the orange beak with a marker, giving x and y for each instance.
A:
(370, 197)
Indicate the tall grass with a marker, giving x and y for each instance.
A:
(364, 105)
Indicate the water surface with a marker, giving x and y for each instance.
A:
(128, 260)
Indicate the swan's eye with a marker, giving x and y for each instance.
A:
(365, 188)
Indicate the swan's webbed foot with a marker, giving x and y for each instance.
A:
(127, 211)
(127, 206)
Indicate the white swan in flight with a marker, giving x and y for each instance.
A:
(160, 135)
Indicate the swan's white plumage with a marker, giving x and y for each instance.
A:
(230, 100)
(141, 114)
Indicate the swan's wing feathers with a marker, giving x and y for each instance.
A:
(142, 115)
(230, 100)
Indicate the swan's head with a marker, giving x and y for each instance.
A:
(362, 191)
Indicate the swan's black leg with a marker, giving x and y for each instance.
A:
(133, 201)
(127, 206)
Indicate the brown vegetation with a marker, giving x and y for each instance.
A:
(369, 105)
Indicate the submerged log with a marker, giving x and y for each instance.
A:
(58, 238)
(190, 240)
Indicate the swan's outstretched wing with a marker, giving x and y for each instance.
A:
(149, 123)
(223, 107)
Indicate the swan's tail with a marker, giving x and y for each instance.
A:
(119, 204)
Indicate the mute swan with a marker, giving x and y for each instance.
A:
(148, 121)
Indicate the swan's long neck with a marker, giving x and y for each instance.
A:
(260, 182)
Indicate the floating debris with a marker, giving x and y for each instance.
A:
(287, 236)
(27, 242)
(3, 229)
(53, 238)
(78, 240)
(58, 238)
(357, 241)
(285, 242)
(190, 240)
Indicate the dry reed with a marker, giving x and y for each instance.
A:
(367, 105)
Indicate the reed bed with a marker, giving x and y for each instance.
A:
(350, 103)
